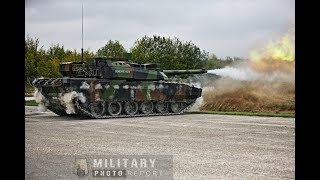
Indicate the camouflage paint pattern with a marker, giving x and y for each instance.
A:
(120, 90)
(107, 80)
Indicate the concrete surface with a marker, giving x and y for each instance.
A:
(203, 146)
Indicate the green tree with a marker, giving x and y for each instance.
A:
(45, 63)
(86, 54)
(215, 63)
(56, 52)
(32, 56)
(237, 58)
(111, 49)
(71, 56)
(49, 68)
(168, 53)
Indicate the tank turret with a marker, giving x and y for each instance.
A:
(108, 68)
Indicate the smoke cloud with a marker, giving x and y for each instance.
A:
(67, 100)
(264, 83)
(238, 73)
(41, 100)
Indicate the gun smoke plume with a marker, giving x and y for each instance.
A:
(264, 83)
(67, 100)
(41, 100)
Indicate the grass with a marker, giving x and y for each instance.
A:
(257, 98)
(245, 113)
(30, 103)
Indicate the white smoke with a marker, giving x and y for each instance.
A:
(67, 100)
(38, 96)
(196, 84)
(196, 106)
(41, 100)
(240, 73)
(245, 73)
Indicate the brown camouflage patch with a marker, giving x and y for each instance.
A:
(139, 95)
(181, 93)
(91, 90)
(157, 95)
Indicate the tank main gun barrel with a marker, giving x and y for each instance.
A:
(181, 72)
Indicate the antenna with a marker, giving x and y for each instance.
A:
(82, 37)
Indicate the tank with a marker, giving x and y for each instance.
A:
(112, 87)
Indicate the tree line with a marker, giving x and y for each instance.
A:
(168, 53)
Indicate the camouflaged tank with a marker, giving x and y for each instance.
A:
(112, 87)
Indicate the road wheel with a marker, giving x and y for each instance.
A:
(98, 108)
(114, 108)
(175, 107)
(131, 107)
(146, 107)
(162, 107)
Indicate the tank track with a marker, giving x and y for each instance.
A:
(94, 116)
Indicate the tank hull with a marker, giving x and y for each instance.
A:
(106, 98)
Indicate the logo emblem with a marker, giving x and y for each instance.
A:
(81, 167)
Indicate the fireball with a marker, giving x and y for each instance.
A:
(275, 56)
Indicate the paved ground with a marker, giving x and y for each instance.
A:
(203, 146)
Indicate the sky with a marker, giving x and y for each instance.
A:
(220, 27)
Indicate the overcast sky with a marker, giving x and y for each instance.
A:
(222, 27)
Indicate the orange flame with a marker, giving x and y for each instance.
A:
(279, 55)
